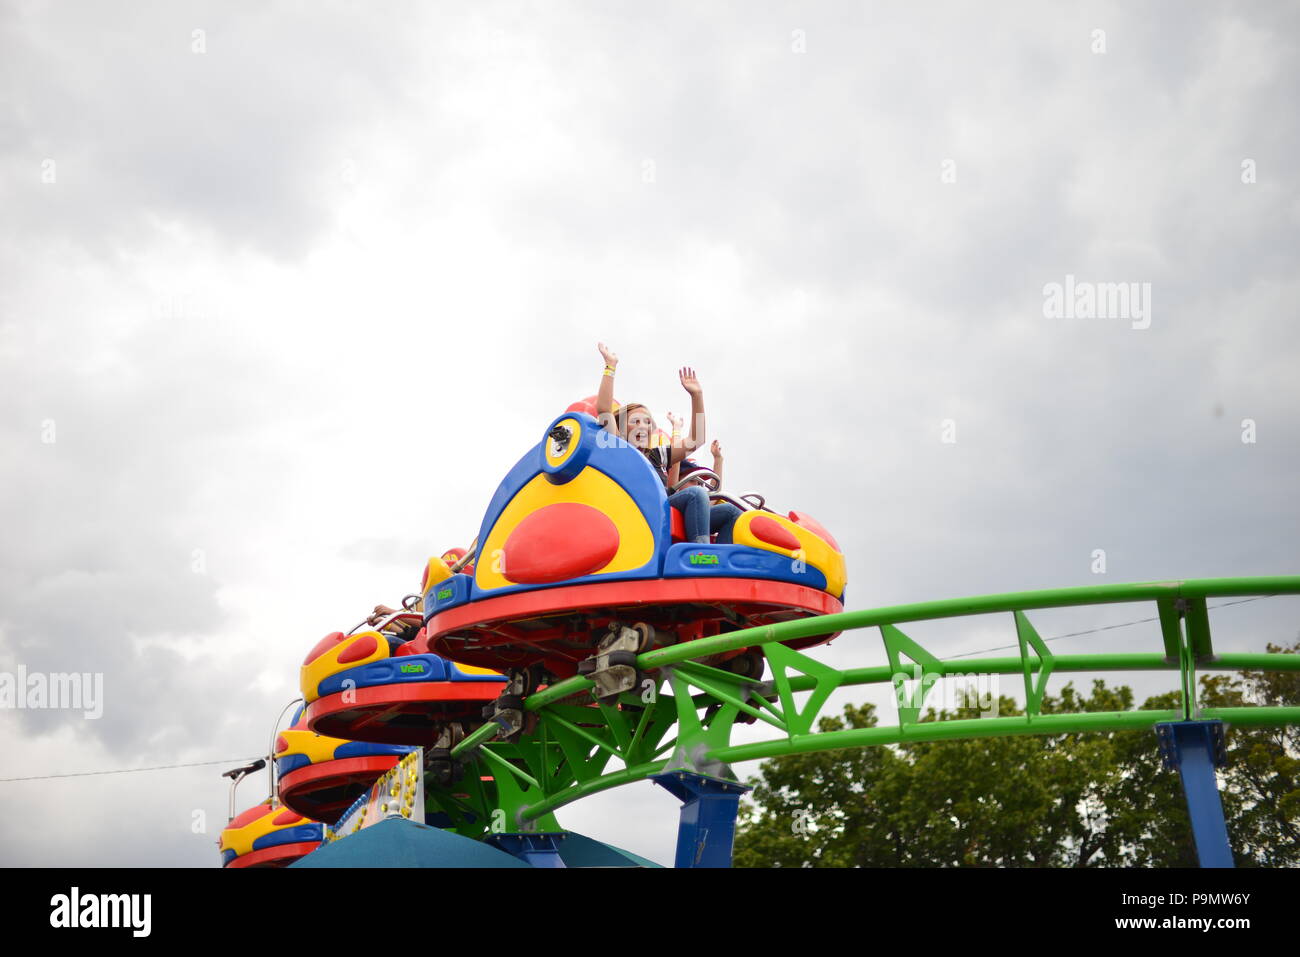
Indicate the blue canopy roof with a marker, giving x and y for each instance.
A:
(397, 842)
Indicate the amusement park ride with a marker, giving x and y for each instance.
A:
(581, 643)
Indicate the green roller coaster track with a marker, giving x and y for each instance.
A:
(572, 739)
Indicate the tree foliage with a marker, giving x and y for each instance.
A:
(1100, 799)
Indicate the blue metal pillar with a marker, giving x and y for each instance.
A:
(537, 849)
(1195, 748)
(708, 823)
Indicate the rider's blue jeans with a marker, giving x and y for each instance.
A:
(701, 518)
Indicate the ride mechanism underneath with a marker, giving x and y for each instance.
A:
(581, 643)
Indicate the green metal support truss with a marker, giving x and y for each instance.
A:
(574, 746)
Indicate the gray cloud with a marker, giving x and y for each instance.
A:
(295, 304)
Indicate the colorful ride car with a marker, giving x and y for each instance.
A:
(359, 687)
(268, 836)
(321, 776)
(579, 541)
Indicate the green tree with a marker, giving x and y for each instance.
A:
(1262, 776)
(1075, 800)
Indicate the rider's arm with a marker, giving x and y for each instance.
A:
(696, 439)
(675, 454)
(605, 395)
(381, 611)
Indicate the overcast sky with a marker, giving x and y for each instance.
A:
(281, 302)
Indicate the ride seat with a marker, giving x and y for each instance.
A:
(677, 526)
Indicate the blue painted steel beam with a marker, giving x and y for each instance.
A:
(1196, 748)
(537, 849)
(707, 829)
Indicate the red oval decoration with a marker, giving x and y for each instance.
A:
(286, 817)
(559, 542)
(248, 817)
(363, 647)
(322, 646)
(804, 520)
(281, 744)
(766, 530)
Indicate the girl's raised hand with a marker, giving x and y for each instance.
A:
(608, 354)
(689, 382)
(716, 449)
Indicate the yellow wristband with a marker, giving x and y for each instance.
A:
(609, 370)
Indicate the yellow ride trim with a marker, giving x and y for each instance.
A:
(636, 541)
(814, 550)
(316, 747)
(327, 664)
(240, 839)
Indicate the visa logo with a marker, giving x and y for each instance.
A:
(704, 558)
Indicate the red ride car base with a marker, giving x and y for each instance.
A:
(511, 630)
(281, 855)
(302, 790)
(407, 713)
